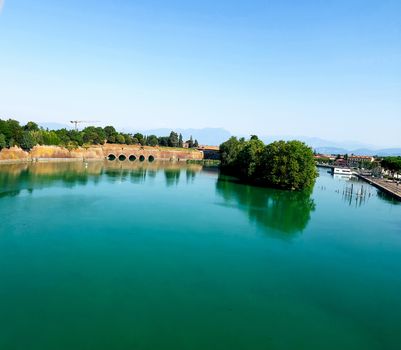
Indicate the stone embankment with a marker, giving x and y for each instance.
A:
(392, 188)
(108, 151)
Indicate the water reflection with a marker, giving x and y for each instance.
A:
(172, 176)
(17, 177)
(281, 213)
(354, 192)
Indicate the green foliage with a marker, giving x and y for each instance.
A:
(27, 141)
(12, 131)
(111, 134)
(180, 141)
(163, 141)
(190, 142)
(120, 139)
(173, 139)
(29, 135)
(152, 140)
(392, 164)
(325, 161)
(37, 136)
(3, 142)
(139, 139)
(229, 151)
(287, 165)
(94, 135)
(51, 138)
(249, 157)
(31, 126)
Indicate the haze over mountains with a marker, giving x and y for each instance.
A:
(215, 136)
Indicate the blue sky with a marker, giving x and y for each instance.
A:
(315, 68)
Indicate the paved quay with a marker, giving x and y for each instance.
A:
(392, 188)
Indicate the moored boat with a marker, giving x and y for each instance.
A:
(342, 171)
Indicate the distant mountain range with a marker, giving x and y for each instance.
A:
(55, 126)
(345, 147)
(215, 136)
(361, 151)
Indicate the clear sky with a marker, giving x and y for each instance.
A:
(327, 68)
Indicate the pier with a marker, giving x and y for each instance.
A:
(390, 187)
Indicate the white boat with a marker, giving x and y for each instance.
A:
(342, 171)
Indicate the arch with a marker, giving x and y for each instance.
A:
(111, 156)
(151, 158)
(141, 158)
(122, 157)
(132, 158)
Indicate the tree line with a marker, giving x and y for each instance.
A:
(392, 164)
(29, 135)
(281, 164)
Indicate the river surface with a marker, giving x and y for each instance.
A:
(167, 256)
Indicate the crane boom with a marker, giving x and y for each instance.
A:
(76, 122)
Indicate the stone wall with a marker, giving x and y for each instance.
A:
(49, 153)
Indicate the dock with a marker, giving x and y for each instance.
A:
(390, 187)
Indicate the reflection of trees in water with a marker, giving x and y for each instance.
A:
(18, 177)
(190, 175)
(30, 176)
(172, 176)
(287, 212)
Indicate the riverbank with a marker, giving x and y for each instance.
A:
(97, 153)
(389, 187)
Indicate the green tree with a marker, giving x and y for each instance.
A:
(27, 141)
(152, 140)
(111, 134)
(229, 151)
(392, 164)
(190, 142)
(196, 143)
(129, 140)
(3, 143)
(140, 138)
(173, 139)
(120, 139)
(37, 136)
(12, 131)
(287, 165)
(94, 135)
(180, 141)
(31, 126)
(163, 141)
(51, 138)
(76, 137)
(249, 157)
(63, 135)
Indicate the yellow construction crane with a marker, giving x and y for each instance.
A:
(76, 122)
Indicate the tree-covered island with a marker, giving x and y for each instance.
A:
(281, 164)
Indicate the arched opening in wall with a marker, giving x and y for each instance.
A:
(122, 157)
(141, 158)
(132, 158)
(111, 157)
(151, 158)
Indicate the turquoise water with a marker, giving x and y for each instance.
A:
(123, 256)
